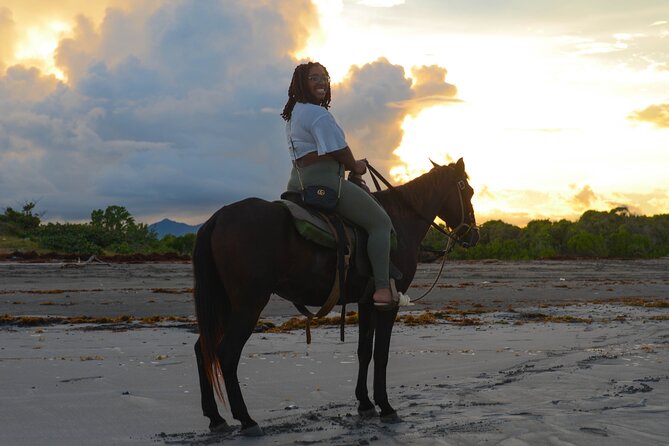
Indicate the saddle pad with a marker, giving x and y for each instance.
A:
(309, 225)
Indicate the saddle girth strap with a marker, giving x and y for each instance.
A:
(337, 292)
(344, 248)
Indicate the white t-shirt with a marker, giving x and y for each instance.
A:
(313, 129)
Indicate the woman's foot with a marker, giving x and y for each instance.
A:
(384, 299)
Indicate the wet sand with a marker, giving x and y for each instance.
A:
(565, 353)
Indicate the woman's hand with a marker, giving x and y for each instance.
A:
(360, 167)
(345, 156)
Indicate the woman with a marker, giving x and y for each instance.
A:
(321, 153)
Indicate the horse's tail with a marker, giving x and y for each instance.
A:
(211, 301)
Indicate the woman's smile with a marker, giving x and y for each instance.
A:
(318, 82)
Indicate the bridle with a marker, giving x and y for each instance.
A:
(455, 235)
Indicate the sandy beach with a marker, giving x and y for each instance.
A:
(519, 353)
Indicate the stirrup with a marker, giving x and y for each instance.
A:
(394, 303)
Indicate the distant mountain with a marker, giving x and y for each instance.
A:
(167, 226)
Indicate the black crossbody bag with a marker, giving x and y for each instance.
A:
(323, 198)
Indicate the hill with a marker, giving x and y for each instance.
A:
(167, 226)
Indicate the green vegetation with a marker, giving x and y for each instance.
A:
(112, 231)
(15, 223)
(10, 243)
(613, 234)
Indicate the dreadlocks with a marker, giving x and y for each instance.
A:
(298, 91)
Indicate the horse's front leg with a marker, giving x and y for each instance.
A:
(209, 408)
(365, 339)
(384, 327)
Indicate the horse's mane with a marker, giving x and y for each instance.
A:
(416, 190)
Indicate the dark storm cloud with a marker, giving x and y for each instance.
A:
(175, 110)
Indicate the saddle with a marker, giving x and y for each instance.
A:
(349, 240)
(317, 227)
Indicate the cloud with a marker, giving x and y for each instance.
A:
(641, 46)
(21, 84)
(649, 203)
(381, 3)
(485, 193)
(584, 198)
(374, 99)
(429, 88)
(657, 114)
(163, 107)
(172, 109)
(6, 36)
(431, 81)
(361, 104)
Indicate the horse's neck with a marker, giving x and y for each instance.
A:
(412, 215)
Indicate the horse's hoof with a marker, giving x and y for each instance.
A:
(367, 413)
(253, 431)
(221, 428)
(390, 418)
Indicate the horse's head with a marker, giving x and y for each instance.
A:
(457, 210)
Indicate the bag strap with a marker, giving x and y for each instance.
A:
(292, 145)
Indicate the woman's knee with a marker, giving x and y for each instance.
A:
(384, 221)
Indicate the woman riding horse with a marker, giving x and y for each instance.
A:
(250, 249)
(320, 156)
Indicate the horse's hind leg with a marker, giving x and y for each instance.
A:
(209, 408)
(239, 328)
(365, 342)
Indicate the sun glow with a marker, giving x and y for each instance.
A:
(337, 34)
(38, 45)
(418, 147)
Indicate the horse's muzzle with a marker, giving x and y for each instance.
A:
(470, 238)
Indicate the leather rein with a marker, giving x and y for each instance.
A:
(454, 236)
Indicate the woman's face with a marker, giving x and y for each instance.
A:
(318, 82)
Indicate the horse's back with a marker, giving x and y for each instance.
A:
(251, 237)
(251, 219)
(255, 244)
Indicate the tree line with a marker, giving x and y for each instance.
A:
(110, 231)
(596, 234)
(613, 234)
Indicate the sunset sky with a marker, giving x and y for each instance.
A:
(171, 108)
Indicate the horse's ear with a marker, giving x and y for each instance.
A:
(460, 166)
(433, 163)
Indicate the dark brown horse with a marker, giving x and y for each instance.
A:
(250, 249)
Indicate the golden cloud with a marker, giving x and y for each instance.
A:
(485, 193)
(648, 203)
(430, 80)
(657, 114)
(584, 198)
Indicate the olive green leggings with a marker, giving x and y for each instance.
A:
(357, 206)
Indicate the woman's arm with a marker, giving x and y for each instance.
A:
(345, 156)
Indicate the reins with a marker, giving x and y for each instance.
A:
(452, 235)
